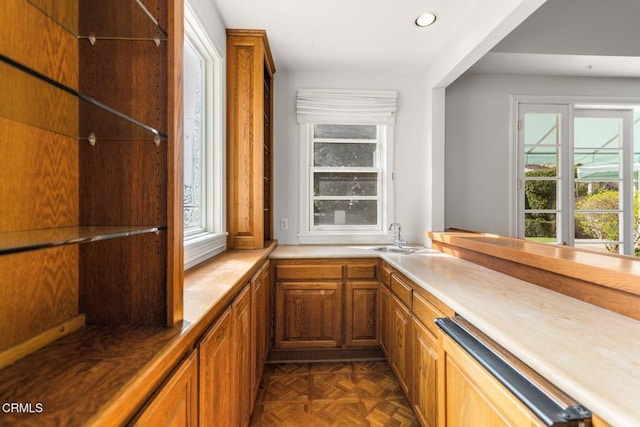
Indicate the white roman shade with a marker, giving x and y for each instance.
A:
(337, 106)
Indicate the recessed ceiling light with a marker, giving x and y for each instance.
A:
(426, 19)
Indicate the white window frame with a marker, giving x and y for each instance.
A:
(212, 238)
(365, 234)
(566, 106)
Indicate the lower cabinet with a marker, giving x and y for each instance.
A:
(322, 304)
(361, 314)
(261, 328)
(309, 314)
(176, 404)
(413, 344)
(384, 306)
(472, 393)
(226, 381)
(218, 373)
(427, 374)
(242, 313)
(400, 344)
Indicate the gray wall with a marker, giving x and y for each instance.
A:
(477, 147)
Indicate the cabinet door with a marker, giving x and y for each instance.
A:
(176, 404)
(361, 314)
(260, 325)
(309, 314)
(426, 365)
(242, 314)
(384, 311)
(218, 379)
(475, 398)
(401, 343)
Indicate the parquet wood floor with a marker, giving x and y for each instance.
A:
(331, 394)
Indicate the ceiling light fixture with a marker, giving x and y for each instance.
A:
(426, 19)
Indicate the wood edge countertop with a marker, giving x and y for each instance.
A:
(610, 270)
(103, 375)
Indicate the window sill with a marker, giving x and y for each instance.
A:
(336, 237)
(203, 246)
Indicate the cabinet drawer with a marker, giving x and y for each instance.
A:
(401, 289)
(367, 271)
(426, 313)
(308, 271)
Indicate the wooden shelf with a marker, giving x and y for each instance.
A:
(20, 241)
(109, 25)
(101, 121)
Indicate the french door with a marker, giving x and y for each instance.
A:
(575, 177)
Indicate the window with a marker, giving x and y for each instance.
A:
(578, 176)
(346, 190)
(203, 145)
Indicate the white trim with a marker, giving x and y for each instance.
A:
(308, 233)
(201, 246)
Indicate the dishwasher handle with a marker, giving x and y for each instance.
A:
(533, 397)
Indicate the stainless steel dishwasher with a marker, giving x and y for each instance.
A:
(547, 402)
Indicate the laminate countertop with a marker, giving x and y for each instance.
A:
(590, 353)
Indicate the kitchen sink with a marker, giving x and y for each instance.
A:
(398, 250)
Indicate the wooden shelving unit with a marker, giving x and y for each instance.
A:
(250, 70)
(90, 193)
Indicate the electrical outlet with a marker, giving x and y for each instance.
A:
(284, 223)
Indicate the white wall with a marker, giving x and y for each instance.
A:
(477, 148)
(410, 170)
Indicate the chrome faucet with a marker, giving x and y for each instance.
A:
(398, 242)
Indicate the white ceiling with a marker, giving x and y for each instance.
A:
(349, 35)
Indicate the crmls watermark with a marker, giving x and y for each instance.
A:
(22, 408)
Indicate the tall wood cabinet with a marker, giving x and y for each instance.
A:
(250, 70)
(90, 152)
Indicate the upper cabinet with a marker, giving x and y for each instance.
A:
(250, 70)
(90, 143)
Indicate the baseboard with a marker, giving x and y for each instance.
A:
(325, 355)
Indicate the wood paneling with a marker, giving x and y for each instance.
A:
(38, 178)
(123, 280)
(218, 374)
(176, 403)
(38, 290)
(175, 161)
(361, 314)
(309, 314)
(50, 50)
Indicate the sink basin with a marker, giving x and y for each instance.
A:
(396, 250)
